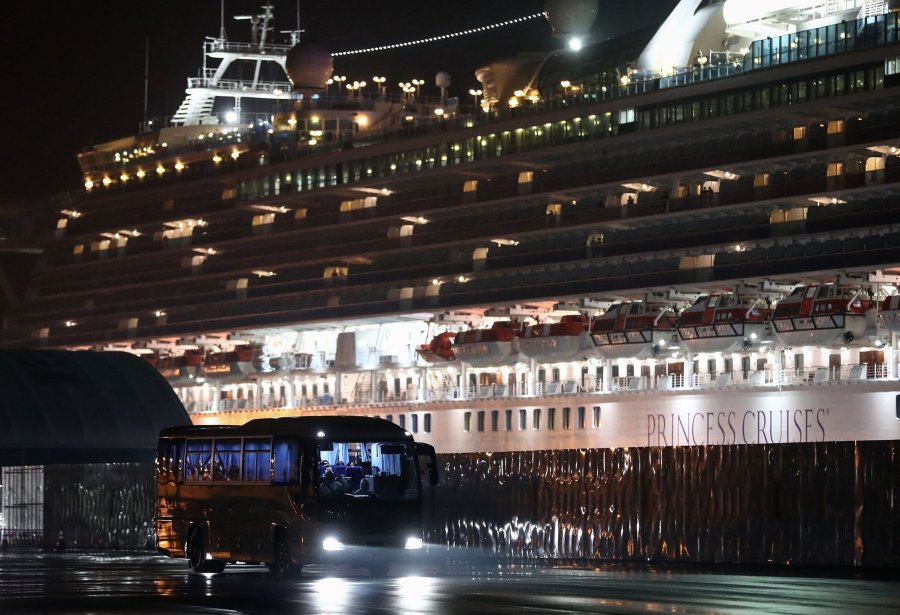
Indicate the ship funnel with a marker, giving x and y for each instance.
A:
(308, 66)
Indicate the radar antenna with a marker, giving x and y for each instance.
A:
(259, 25)
(295, 34)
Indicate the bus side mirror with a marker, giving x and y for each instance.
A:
(427, 461)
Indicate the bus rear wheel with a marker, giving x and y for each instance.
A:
(281, 564)
(196, 554)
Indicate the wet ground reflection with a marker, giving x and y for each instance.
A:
(142, 583)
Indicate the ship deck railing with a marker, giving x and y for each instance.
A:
(736, 379)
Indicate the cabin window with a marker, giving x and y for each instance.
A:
(495, 419)
(760, 180)
(597, 418)
(523, 419)
(580, 419)
(551, 418)
(835, 127)
(256, 459)
(536, 419)
(467, 421)
(566, 418)
(415, 423)
(874, 163)
(481, 420)
(508, 417)
(835, 169)
(427, 422)
(799, 133)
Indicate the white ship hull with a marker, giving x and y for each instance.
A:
(825, 412)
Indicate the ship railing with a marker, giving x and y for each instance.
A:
(218, 44)
(239, 85)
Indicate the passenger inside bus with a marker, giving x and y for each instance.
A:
(363, 488)
(332, 485)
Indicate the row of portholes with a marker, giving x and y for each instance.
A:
(537, 420)
(413, 424)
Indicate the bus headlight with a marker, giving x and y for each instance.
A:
(413, 543)
(332, 544)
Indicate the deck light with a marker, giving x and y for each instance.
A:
(321, 434)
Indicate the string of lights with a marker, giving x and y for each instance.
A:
(440, 37)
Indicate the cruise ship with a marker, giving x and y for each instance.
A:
(678, 245)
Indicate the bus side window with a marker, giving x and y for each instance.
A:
(256, 459)
(198, 460)
(175, 454)
(287, 460)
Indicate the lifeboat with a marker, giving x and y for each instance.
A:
(566, 340)
(723, 323)
(633, 329)
(181, 367)
(238, 361)
(486, 347)
(890, 313)
(821, 315)
(439, 349)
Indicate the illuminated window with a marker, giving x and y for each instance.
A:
(875, 163)
(760, 180)
(835, 127)
(554, 209)
(799, 133)
(526, 177)
(835, 169)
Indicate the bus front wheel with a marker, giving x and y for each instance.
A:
(196, 554)
(282, 565)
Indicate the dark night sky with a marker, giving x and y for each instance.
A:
(74, 71)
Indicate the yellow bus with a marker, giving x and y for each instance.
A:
(292, 491)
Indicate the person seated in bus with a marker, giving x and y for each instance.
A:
(331, 485)
(363, 488)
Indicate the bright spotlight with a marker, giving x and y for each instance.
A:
(231, 117)
(575, 43)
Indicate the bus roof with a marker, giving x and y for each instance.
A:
(347, 428)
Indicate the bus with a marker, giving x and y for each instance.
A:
(291, 491)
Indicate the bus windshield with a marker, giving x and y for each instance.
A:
(367, 470)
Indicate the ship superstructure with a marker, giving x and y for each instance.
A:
(294, 264)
